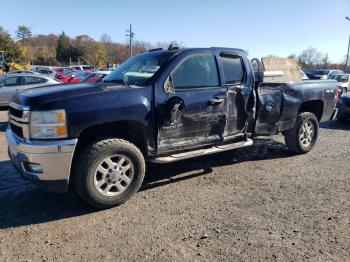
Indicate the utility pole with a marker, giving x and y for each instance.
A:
(347, 56)
(131, 35)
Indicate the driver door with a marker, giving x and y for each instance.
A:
(194, 115)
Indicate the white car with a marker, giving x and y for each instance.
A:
(343, 82)
(22, 72)
(82, 67)
(10, 83)
(326, 73)
(303, 76)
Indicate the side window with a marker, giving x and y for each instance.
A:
(233, 70)
(196, 71)
(11, 81)
(32, 80)
(42, 80)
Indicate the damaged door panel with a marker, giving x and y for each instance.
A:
(269, 109)
(235, 77)
(195, 113)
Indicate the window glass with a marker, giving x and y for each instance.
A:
(31, 80)
(138, 69)
(11, 81)
(196, 71)
(233, 70)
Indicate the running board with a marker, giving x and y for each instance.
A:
(202, 152)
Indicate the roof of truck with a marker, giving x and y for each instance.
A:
(214, 49)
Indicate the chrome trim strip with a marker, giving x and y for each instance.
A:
(25, 128)
(19, 107)
(202, 152)
(42, 147)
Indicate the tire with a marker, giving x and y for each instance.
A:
(101, 176)
(299, 140)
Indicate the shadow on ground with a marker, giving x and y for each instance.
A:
(335, 124)
(25, 204)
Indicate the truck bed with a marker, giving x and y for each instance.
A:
(279, 103)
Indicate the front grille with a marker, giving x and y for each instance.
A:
(16, 112)
(19, 120)
(17, 130)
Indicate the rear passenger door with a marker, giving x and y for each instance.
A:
(235, 81)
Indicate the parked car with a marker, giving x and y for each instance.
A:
(343, 82)
(73, 76)
(77, 77)
(95, 77)
(343, 106)
(303, 75)
(82, 67)
(44, 70)
(9, 84)
(188, 103)
(323, 73)
(60, 71)
(22, 72)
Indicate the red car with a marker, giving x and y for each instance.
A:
(73, 76)
(60, 71)
(94, 77)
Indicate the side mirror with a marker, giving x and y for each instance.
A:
(168, 85)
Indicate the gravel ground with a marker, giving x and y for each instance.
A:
(259, 203)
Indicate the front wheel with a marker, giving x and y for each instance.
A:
(303, 136)
(108, 172)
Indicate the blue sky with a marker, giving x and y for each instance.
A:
(262, 27)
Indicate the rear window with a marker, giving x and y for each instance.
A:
(233, 70)
(86, 67)
(321, 72)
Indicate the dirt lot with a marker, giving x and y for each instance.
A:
(259, 203)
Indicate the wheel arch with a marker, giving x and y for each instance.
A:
(132, 131)
(313, 106)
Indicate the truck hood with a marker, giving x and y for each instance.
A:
(42, 95)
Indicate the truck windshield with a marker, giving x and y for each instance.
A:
(139, 69)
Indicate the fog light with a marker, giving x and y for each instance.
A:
(32, 168)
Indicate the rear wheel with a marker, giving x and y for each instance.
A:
(109, 172)
(303, 136)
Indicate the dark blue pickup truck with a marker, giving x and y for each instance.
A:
(159, 106)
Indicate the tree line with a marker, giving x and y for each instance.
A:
(62, 50)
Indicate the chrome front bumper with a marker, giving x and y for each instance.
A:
(52, 161)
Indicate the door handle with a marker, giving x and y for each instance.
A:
(216, 101)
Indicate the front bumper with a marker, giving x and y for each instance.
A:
(52, 161)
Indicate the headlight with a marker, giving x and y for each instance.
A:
(48, 124)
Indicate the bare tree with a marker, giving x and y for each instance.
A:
(106, 39)
(325, 60)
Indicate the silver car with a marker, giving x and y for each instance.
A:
(10, 83)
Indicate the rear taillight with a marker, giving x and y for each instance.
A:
(336, 94)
